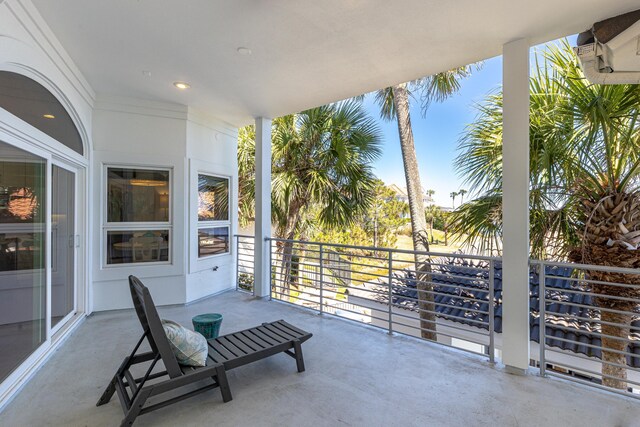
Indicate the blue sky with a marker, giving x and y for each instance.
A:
(436, 136)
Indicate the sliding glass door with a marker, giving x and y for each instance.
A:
(63, 244)
(23, 295)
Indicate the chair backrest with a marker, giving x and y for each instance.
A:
(152, 325)
(146, 248)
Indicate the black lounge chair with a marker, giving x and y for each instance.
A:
(226, 352)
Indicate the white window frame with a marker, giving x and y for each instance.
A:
(213, 223)
(138, 225)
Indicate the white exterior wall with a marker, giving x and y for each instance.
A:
(212, 148)
(131, 132)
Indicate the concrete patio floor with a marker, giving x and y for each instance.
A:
(356, 376)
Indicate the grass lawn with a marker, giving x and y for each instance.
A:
(405, 242)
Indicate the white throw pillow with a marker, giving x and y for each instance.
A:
(189, 347)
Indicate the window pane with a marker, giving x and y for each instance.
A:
(126, 247)
(22, 255)
(33, 103)
(137, 195)
(213, 241)
(213, 198)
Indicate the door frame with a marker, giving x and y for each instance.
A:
(19, 134)
(78, 308)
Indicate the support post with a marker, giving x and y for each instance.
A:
(262, 267)
(237, 262)
(321, 278)
(515, 206)
(390, 290)
(492, 325)
(542, 310)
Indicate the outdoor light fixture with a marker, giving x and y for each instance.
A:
(182, 85)
(244, 51)
(48, 116)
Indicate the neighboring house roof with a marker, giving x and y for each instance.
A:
(458, 305)
(401, 192)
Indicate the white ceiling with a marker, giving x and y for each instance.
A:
(305, 52)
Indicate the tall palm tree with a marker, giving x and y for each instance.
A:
(430, 193)
(394, 104)
(584, 185)
(461, 193)
(431, 214)
(453, 196)
(321, 164)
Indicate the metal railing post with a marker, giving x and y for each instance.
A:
(321, 278)
(492, 345)
(270, 247)
(237, 262)
(542, 298)
(390, 262)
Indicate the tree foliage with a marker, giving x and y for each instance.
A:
(321, 163)
(584, 142)
(377, 226)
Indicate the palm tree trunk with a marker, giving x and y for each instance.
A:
(416, 208)
(431, 229)
(612, 375)
(605, 242)
(287, 279)
(446, 233)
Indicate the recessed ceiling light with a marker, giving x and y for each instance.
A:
(182, 85)
(146, 73)
(244, 51)
(48, 116)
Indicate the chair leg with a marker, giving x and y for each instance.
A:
(299, 358)
(221, 378)
(108, 393)
(136, 407)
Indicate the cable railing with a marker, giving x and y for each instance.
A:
(588, 324)
(448, 302)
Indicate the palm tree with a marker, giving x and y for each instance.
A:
(584, 185)
(394, 104)
(461, 193)
(453, 196)
(321, 164)
(431, 213)
(430, 194)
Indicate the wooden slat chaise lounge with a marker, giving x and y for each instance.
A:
(225, 353)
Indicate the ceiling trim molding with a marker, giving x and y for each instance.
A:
(143, 107)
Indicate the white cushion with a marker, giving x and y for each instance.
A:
(189, 347)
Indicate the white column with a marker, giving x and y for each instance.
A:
(515, 206)
(263, 207)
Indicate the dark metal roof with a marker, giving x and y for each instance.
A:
(467, 305)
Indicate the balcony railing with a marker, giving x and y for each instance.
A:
(378, 287)
(591, 324)
(245, 269)
(591, 314)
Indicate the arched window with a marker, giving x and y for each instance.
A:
(33, 103)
